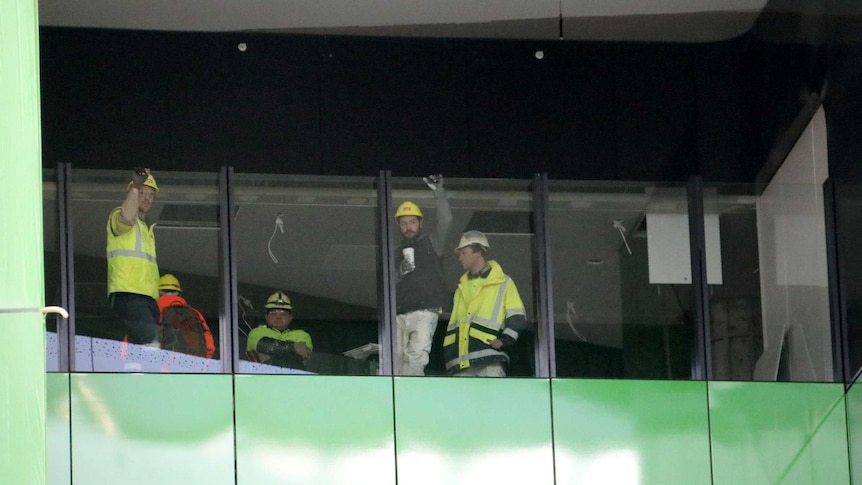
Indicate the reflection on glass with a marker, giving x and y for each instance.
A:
(470, 338)
(307, 268)
(736, 330)
(794, 288)
(847, 204)
(182, 218)
(621, 280)
(51, 244)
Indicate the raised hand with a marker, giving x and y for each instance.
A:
(434, 181)
(140, 174)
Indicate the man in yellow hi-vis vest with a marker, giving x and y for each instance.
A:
(133, 272)
(486, 311)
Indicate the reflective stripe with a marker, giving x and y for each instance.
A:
(131, 254)
(138, 252)
(515, 311)
(511, 333)
(485, 322)
(499, 303)
(491, 322)
(466, 358)
(485, 337)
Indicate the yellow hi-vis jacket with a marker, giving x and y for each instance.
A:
(132, 265)
(479, 317)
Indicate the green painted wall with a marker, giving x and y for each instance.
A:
(164, 429)
(473, 430)
(22, 365)
(638, 432)
(308, 430)
(159, 429)
(778, 433)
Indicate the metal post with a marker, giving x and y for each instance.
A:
(385, 272)
(701, 356)
(545, 351)
(228, 317)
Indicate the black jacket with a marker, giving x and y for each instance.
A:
(422, 288)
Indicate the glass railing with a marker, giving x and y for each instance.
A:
(609, 278)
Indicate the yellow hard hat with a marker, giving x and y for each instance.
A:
(150, 182)
(408, 208)
(278, 301)
(169, 282)
(473, 237)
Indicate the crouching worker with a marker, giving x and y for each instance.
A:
(182, 327)
(275, 343)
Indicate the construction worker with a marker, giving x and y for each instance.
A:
(419, 292)
(170, 293)
(486, 310)
(133, 272)
(275, 343)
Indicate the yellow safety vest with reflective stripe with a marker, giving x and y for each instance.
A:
(132, 265)
(479, 318)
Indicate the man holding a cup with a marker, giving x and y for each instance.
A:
(420, 291)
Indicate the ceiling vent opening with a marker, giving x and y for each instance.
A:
(189, 216)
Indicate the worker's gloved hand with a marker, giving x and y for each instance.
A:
(139, 175)
(434, 181)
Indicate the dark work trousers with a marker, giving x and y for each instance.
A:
(140, 315)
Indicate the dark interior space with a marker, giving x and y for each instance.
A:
(477, 108)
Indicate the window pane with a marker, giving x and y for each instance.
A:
(502, 211)
(184, 222)
(736, 330)
(794, 294)
(621, 272)
(315, 240)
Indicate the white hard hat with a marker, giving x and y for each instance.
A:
(473, 237)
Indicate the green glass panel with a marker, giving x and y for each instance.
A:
(58, 430)
(308, 430)
(632, 432)
(854, 431)
(158, 429)
(778, 433)
(473, 430)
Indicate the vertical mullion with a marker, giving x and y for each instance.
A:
(228, 318)
(385, 271)
(545, 352)
(65, 326)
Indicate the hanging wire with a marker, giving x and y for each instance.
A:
(571, 315)
(618, 224)
(245, 303)
(279, 226)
